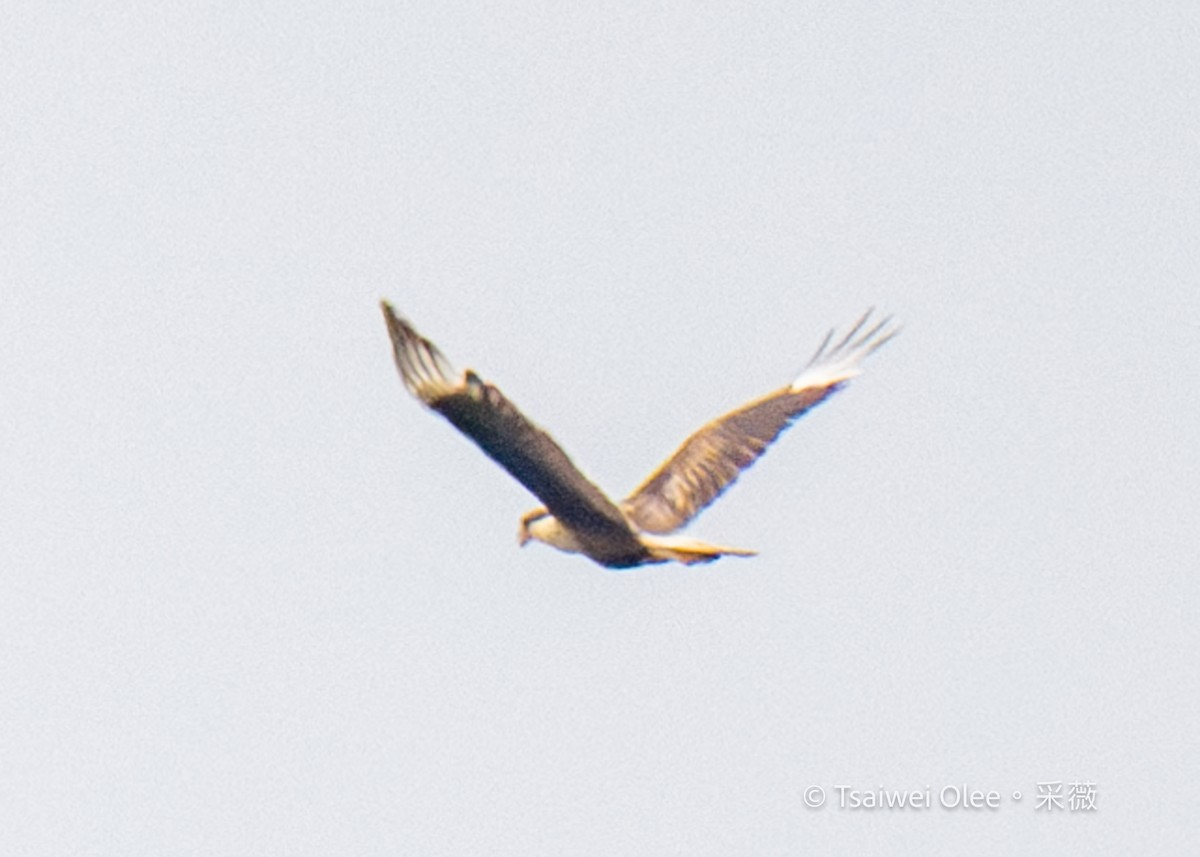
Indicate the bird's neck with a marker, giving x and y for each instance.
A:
(549, 531)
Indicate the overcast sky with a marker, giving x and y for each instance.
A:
(255, 600)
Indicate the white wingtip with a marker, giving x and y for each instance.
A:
(840, 363)
(425, 372)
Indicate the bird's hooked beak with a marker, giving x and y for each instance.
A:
(525, 531)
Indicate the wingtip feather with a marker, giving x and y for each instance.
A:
(425, 371)
(830, 366)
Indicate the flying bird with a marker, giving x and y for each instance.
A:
(577, 516)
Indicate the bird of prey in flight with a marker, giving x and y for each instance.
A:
(577, 517)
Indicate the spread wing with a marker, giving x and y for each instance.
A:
(711, 459)
(481, 412)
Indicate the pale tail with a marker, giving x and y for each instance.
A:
(688, 551)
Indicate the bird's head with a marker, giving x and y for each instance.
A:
(525, 531)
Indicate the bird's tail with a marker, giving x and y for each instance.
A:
(688, 551)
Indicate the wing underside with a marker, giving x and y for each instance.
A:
(711, 460)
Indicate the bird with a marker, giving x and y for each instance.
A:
(576, 516)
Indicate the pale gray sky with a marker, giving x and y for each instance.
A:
(254, 599)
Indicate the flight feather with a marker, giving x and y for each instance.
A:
(480, 411)
(713, 457)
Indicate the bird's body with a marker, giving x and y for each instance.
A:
(547, 529)
(577, 516)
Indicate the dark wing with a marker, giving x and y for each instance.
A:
(482, 413)
(711, 459)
